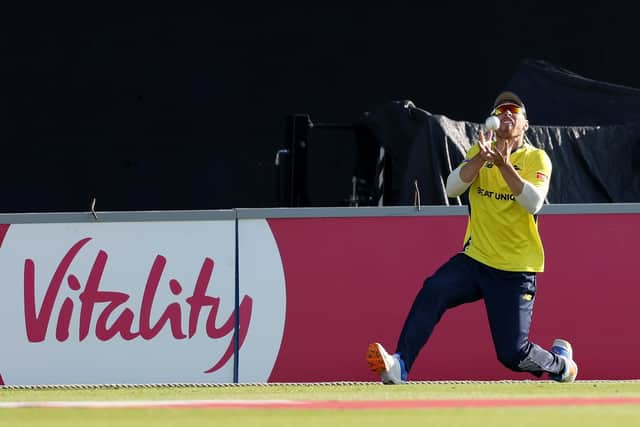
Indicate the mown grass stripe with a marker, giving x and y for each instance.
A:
(328, 404)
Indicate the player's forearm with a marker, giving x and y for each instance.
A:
(511, 177)
(470, 169)
(530, 197)
(456, 184)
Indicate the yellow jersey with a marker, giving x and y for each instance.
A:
(500, 232)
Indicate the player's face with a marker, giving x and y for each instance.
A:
(513, 122)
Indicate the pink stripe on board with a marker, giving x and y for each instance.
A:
(3, 231)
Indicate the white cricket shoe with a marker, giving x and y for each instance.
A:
(390, 367)
(563, 349)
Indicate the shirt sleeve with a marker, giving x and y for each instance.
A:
(538, 171)
(470, 154)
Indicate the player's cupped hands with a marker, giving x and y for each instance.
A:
(486, 153)
(502, 151)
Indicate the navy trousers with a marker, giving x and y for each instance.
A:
(508, 298)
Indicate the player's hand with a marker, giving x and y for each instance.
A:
(486, 152)
(502, 151)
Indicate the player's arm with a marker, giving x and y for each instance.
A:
(528, 195)
(461, 177)
(535, 183)
(456, 184)
(514, 181)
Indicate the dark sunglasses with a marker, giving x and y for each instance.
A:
(513, 108)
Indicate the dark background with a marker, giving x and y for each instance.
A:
(183, 107)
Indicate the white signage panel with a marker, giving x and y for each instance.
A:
(262, 277)
(132, 302)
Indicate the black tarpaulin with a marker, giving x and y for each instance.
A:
(591, 164)
(559, 97)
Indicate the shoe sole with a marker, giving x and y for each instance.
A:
(375, 359)
(574, 374)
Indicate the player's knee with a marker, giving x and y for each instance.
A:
(510, 359)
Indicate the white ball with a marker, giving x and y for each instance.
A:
(492, 123)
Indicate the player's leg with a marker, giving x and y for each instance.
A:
(451, 285)
(509, 299)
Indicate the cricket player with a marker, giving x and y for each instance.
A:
(508, 180)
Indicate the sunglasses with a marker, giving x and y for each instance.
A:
(513, 108)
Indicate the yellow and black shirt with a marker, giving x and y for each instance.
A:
(501, 233)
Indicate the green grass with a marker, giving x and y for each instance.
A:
(569, 416)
